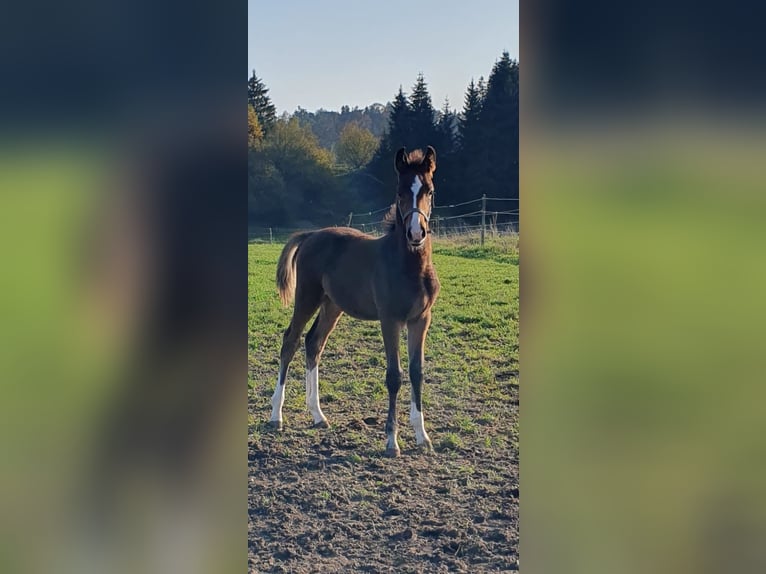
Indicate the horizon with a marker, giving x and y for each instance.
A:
(304, 52)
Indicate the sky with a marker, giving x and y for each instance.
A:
(330, 53)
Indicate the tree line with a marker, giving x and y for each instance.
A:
(328, 125)
(301, 178)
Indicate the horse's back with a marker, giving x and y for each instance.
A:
(328, 247)
(340, 261)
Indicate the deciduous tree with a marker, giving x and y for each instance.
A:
(356, 146)
(254, 131)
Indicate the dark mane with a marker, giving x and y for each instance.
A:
(389, 220)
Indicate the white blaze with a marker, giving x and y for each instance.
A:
(312, 394)
(415, 229)
(277, 400)
(416, 419)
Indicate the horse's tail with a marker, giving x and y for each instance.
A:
(286, 267)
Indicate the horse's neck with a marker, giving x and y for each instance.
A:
(420, 259)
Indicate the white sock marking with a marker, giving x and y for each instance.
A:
(415, 229)
(312, 394)
(277, 400)
(416, 419)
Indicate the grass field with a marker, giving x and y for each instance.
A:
(327, 500)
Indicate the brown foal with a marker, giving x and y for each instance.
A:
(390, 279)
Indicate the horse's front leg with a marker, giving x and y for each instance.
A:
(391, 331)
(416, 337)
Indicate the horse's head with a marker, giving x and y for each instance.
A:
(415, 193)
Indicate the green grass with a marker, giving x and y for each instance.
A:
(504, 248)
(471, 368)
(354, 458)
(451, 441)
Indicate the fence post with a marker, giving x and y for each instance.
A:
(271, 237)
(483, 213)
(350, 217)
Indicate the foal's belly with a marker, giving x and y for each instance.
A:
(354, 299)
(361, 314)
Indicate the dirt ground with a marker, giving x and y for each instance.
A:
(327, 501)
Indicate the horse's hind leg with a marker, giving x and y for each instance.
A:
(306, 303)
(329, 314)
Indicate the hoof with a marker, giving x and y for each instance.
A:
(392, 452)
(426, 447)
(276, 426)
(323, 424)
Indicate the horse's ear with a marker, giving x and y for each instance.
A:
(429, 161)
(401, 160)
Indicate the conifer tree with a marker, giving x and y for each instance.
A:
(473, 175)
(258, 97)
(482, 88)
(499, 120)
(398, 132)
(446, 129)
(397, 135)
(469, 119)
(422, 116)
(445, 143)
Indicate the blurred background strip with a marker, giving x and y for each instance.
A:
(123, 175)
(643, 176)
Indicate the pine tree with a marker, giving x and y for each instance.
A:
(445, 143)
(258, 97)
(422, 124)
(473, 170)
(469, 120)
(499, 121)
(445, 128)
(422, 111)
(398, 132)
(482, 88)
(397, 135)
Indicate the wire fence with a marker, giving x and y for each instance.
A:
(446, 221)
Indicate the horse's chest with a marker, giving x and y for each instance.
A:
(412, 296)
